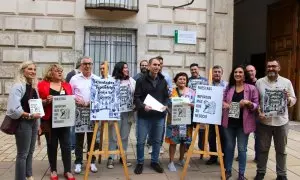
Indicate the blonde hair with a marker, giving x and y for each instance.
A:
(48, 75)
(20, 78)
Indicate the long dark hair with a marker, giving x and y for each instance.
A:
(231, 77)
(118, 71)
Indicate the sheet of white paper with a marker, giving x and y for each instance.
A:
(153, 103)
(36, 106)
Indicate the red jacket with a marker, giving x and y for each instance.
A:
(44, 91)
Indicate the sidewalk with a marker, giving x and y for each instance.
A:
(198, 169)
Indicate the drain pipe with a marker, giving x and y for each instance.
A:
(175, 7)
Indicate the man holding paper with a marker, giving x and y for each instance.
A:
(276, 95)
(151, 113)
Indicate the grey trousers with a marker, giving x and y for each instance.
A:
(124, 126)
(26, 136)
(279, 134)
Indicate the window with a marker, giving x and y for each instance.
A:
(130, 5)
(113, 45)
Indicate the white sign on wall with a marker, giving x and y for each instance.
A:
(185, 37)
(208, 104)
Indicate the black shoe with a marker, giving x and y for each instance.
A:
(139, 169)
(157, 167)
(281, 178)
(259, 176)
(228, 175)
(201, 156)
(241, 177)
(212, 161)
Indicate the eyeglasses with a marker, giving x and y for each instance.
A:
(85, 64)
(143, 65)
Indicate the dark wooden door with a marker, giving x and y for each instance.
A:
(282, 39)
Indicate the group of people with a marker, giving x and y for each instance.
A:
(153, 127)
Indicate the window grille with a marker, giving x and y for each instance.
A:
(129, 5)
(113, 45)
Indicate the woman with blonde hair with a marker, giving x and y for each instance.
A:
(53, 84)
(24, 89)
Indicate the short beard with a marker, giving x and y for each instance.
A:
(271, 74)
(144, 70)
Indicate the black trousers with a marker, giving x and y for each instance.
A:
(79, 146)
(62, 135)
(212, 139)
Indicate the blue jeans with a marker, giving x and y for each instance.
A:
(153, 128)
(231, 135)
(256, 142)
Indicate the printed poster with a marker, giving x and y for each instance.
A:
(36, 106)
(193, 83)
(105, 99)
(63, 111)
(126, 98)
(234, 110)
(274, 102)
(82, 121)
(181, 111)
(208, 104)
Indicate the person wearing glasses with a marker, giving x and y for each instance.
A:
(53, 84)
(81, 85)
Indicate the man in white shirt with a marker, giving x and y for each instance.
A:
(276, 95)
(81, 85)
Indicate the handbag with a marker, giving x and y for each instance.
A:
(9, 126)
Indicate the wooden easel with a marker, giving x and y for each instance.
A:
(204, 152)
(105, 151)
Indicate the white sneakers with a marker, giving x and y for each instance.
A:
(172, 167)
(94, 168)
(79, 166)
(30, 178)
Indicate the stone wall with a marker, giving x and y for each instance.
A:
(40, 30)
(48, 31)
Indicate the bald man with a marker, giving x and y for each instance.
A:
(252, 72)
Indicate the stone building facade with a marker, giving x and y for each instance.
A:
(55, 31)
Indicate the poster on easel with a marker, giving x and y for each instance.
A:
(63, 111)
(274, 102)
(208, 104)
(105, 99)
(181, 111)
(82, 121)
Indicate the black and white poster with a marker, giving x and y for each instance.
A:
(63, 111)
(105, 99)
(208, 104)
(234, 110)
(36, 106)
(193, 83)
(126, 98)
(274, 102)
(82, 121)
(181, 111)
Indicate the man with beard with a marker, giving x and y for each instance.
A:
(195, 80)
(273, 126)
(143, 68)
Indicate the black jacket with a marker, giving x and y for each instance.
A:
(144, 86)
